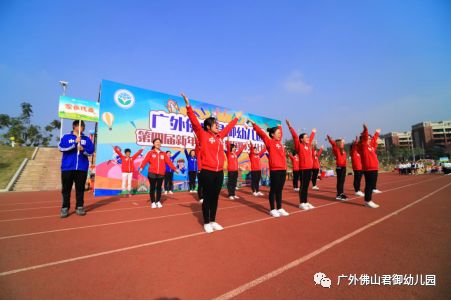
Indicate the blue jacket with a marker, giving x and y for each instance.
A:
(70, 159)
(192, 162)
(168, 169)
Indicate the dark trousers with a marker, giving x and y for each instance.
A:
(296, 174)
(306, 175)
(155, 189)
(200, 186)
(315, 173)
(370, 183)
(212, 183)
(192, 180)
(277, 178)
(357, 179)
(168, 177)
(341, 177)
(68, 178)
(256, 175)
(232, 179)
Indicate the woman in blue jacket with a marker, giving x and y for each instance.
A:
(192, 169)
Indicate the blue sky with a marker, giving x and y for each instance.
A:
(325, 64)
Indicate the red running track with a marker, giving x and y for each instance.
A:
(123, 249)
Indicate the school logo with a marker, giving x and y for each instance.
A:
(124, 98)
(278, 145)
(212, 140)
(161, 157)
(154, 156)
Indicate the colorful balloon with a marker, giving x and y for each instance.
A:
(108, 118)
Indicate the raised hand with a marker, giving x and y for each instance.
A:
(378, 130)
(314, 130)
(288, 123)
(238, 115)
(185, 99)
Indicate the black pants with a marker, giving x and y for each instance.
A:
(192, 180)
(306, 175)
(68, 178)
(315, 173)
(155, 188)
(370, 183)
(357, 179)
(232, 179)
(256, 175)
(277, 178)
(296, 174)
(200, 186)
(341, 177)
(212, 183)
(168, 177)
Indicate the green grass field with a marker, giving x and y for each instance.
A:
(10, 160)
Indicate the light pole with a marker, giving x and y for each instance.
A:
(64, 85)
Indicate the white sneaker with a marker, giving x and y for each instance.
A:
(315, 188)
(236, 197)
(170, 192)
(371, 204)
(339, 198)
(296, 189)
(216, 226)
(208, 228)
(231, 198)
(304, 206)
(274, 213)
(153, 206)
(159, 205)
(376, 191)
(255, 193)
(260, 193)
(201, 201)
(310, 206)
(165, 192)
(282, 212)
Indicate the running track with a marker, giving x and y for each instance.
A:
(123, 249)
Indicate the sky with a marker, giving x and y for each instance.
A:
(332, 65)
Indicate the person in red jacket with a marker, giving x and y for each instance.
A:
(295, 163)
(157, 160)
(356, 167)
(315, 170)
(256, 172)
(338, 148)
(370, 164)
(303, 146)
(277, 166)
(127, 166)
(232, 167)
(212, 157)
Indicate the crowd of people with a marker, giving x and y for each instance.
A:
(206, 161)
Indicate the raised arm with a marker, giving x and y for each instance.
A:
(312, 136)
(365, 135)
(375, 137)
(294, 135)
(262, 134)
(118, 152)
(238, 153)
(175, 155)
(230, 126)
(138, 153)
(197, 128)
(262, 152)
(320, 152)
(331, 141)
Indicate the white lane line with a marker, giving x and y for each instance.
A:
(160, 241)
(150, 218)
(245, 287)
(141, 207)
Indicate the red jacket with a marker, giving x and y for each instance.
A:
(355, 158)
(304, 150)
(232, 157)
(315, 155)
(157, 162)
(340, 155)
(212, 146)
(255, 158)
(294, 162)
(127, 162)
(276, 150)
(368, 151)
